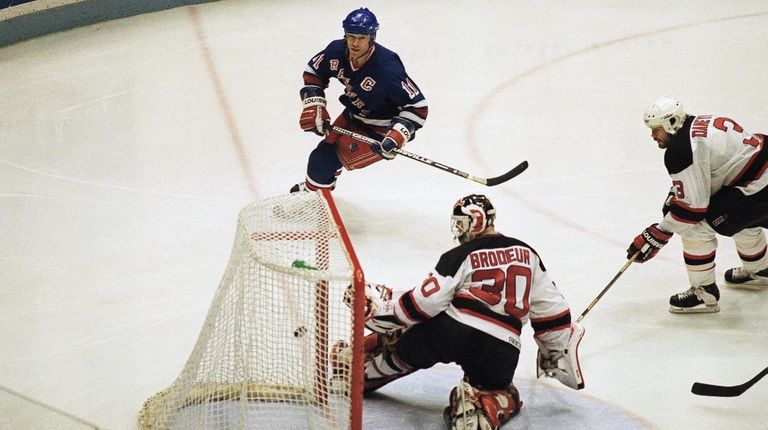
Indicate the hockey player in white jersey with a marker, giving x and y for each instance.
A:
(470, 310)
(719, 175)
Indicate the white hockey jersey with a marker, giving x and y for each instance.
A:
(493, 283)
(708, 153)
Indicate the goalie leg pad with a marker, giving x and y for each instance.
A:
(374, 345)
(474, 409)
(384, 366)
(563, 365)
(341, 365)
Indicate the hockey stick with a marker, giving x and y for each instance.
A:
(520, 168)
(720, 391)
(626, 265)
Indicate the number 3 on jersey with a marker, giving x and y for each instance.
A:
(512, 286)
(721, 123)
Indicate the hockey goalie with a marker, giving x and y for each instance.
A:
(470, 310)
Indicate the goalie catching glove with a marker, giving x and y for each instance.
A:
(379, 308)
(562, 364)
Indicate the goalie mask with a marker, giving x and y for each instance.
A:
(471, 216)
(666, 112)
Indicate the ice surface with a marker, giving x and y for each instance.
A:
(127, 149)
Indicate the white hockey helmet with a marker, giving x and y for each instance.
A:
(666, 112)
(471, 215)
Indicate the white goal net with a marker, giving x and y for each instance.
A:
(263, 357)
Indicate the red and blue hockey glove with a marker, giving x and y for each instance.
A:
(400, 131)
(648, 243)
(314, 116)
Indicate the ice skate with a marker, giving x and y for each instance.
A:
(301, 187)
(701, 299)
(741, 278)
(295, 207)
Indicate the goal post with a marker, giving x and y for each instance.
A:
(266, 356)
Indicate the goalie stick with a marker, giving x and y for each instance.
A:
(703, 389)
(520, 168)
(626, 265)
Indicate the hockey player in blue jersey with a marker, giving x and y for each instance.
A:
(380, 101)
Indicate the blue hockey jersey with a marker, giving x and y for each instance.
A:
(373, 94)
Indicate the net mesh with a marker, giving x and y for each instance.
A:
(263, 356)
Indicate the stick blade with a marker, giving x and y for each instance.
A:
(520, 168)
(720, 391)
(702, 389)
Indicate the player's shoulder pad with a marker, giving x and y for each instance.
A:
(389, 60)
(541, 262)
(679, 154)
(451, 260)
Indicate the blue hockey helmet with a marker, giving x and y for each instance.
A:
(361, 21)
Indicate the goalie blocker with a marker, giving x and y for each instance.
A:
(562, 365)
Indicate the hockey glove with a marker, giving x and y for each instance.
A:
(314, 117)
(379, 309)
(564, 364)
(374, 294)
(400, 131)
(648, 243)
